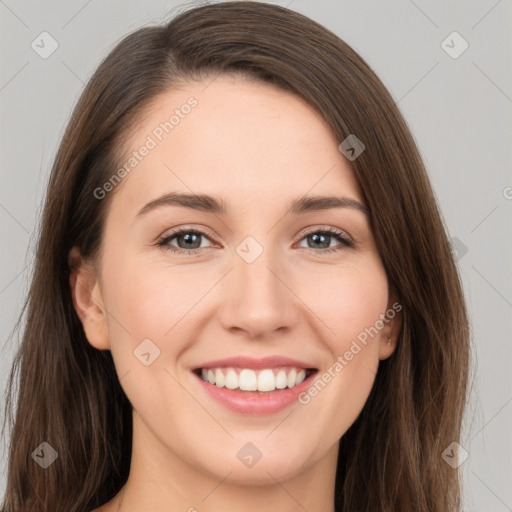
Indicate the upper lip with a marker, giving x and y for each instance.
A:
(250, 362)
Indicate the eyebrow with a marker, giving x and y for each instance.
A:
(214, 205)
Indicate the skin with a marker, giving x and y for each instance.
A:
(257, 148)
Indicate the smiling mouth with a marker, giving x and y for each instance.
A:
(265, 380)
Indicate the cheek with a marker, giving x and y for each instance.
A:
(151, 299)
(357, 297)
(151, 310)
(348, 300)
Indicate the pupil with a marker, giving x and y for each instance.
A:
(315, 239)
(188, 236)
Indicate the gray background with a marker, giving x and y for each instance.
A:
(459, 110)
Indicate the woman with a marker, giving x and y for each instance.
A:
(188, 344)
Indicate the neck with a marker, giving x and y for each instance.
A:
(161, 480)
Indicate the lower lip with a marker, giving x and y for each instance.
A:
(245, 402)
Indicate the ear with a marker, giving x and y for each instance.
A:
(392, 325)
(88, 301)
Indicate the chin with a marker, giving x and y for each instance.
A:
(264, 471)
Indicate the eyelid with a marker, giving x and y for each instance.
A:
(187, 229)
(346, 240)
(329, 229)
(211, 235)
(162, 240)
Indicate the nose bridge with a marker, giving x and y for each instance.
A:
(258, 277)
(258, 299)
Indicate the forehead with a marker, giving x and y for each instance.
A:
(237, 139)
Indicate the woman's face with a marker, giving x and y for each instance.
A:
(256, 279)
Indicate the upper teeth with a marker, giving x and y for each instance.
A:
(251, 380)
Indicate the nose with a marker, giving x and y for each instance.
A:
(259, 299)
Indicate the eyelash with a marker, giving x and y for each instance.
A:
(336, 233)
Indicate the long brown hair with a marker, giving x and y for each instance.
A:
(68, 393)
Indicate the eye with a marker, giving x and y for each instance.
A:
(190, 239)
(325, 236)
